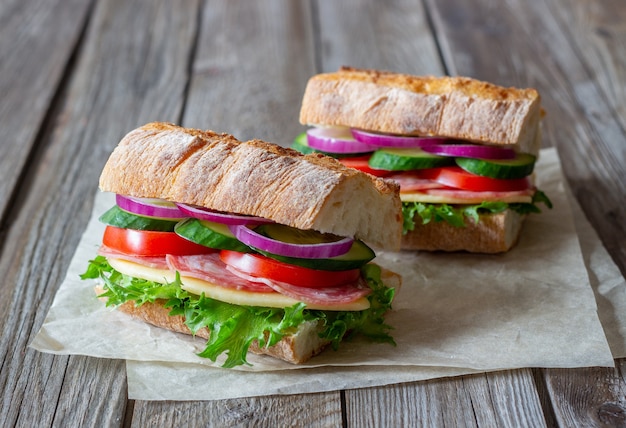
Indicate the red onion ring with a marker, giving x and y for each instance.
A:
(335, 140)
(385, 140)
(220, 217)
(303, 251)
(149, 207)
(470, 151)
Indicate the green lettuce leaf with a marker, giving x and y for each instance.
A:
(456, 214)
(233, 328)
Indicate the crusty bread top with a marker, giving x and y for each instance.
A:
(257, 178)
(455, 107)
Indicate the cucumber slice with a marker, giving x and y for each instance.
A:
(210, 234)
(519, 167)
(358, 255)
(301, 144)
(399, 159)
(119, 218)
(292, 235)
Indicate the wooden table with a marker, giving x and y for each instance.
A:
(77, 75)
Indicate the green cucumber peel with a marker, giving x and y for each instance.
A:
(455, 214)
(210, 234)
(115, 216)
(234, 327)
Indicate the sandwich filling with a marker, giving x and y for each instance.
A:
(245, 279)
(441, 179)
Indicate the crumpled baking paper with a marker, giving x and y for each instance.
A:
(455, 314)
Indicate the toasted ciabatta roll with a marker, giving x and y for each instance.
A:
(413, 127)
(257, 244)
(453, 107)
(255, 178)
(296, 348)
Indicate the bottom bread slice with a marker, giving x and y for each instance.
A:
(295, 348)
(493, 233)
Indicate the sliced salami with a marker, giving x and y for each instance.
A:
(156, 262)
(412, 183)
(209, 268)
(320, 296)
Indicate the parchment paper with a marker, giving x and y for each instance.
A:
(455, 314)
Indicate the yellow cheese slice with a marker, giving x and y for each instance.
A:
(236, 297)
(437, 199)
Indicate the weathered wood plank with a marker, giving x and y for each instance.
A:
(595, 68)
(311, 410)
(407, 45)
(503, 399)
(597, 35)
(37, 39)
(251, 66)
(250, 70)
(531, 44)
(588, 397)
(132, 69)
(93, 394)
(392, 35)
(554, 46)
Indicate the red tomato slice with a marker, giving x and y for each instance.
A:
(260, 266)
(150, 243)
(454, 176)
(361, 164)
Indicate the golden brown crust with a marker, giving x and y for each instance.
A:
(455, 107)
(295, 349)
(257, 178)
(494, 233)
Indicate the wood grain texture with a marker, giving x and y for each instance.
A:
(588, 397)
(131, 69)
(409, 49)
(528, 45)
(248, 74)
(241, 67)
(597, 35)
(310, 410)
(503, 399)
(37, 38)
(391, 35)
(534, 44)
(250, 70)
(93, 394)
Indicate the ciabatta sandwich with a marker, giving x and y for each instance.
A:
(462, 150)
(247, 244)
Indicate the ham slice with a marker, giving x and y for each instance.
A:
(321, 296)
(155, 262)
(411, 183)
(209, 268)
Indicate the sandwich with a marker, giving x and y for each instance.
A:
(248, 245)
(463, 151)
